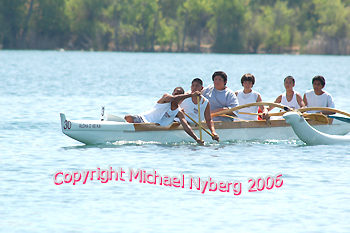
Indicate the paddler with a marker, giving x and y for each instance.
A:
(318, 97)
(220, 96)
(246, 96)
(290, 98)
(165, 111)
(190, 107)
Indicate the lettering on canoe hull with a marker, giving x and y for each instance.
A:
(93, 126)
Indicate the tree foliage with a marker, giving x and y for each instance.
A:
(235, 26)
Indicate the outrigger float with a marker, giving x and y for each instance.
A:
(112, 129)
(310, 135)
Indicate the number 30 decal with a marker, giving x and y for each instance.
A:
(67, 125)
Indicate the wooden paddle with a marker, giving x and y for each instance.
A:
(199, 118)
(226, 111)
(225, 115)
(205, 130)
(317, 117)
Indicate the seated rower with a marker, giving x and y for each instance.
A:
(290, 98)
(247, 96)
(318, 97)
(190, 107)
(165, 111)
(220, 96)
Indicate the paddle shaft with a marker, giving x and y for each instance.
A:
(199, 118)
(225, 115)
(198, 125)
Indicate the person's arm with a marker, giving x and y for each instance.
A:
(178, 98)
(262, 108)
(305, 100)
(210, 122)
(219, 109)
(300, 101)
(166, 98)
(330, 104)
(231, 102)
(278, 100)
(187, 128)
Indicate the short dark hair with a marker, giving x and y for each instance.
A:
(248, 77)
(319, 78)
(289, 77)
(198, 80)
(180, 89)
(221, 74)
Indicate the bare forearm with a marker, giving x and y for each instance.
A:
(270, 108)
(278, 100)
(188, 130)
(210, 125)
(218, 110)
(263, 109)
(221, 109)
(179, 98)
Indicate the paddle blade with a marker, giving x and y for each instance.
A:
(317, 117)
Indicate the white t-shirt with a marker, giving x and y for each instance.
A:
(161, 114)
(324, 100)
(293, 103)
(248, 98)
(192, 109)
(220, 99)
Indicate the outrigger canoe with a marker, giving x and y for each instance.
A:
(101, 131)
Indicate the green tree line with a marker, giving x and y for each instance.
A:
(220, 26)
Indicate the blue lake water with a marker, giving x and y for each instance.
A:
(37, 85)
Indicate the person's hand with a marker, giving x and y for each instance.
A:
(200, 142)
(265, 115)
(215, 137)
(196, 93)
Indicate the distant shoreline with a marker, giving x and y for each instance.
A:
(174, 52)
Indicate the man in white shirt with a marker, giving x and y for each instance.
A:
(190, 107)
(165, 111)
(289, 98)
(318, 97)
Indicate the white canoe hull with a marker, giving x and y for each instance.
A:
(96, 131)
(310, 135)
